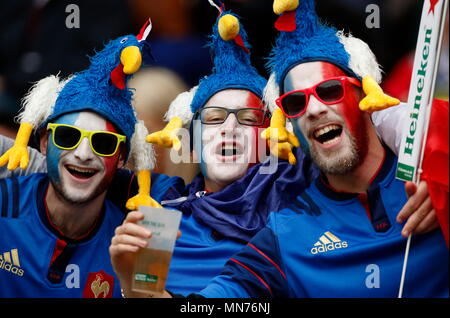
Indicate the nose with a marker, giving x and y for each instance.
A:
(84, 152)
(229, 126)
(315, 108)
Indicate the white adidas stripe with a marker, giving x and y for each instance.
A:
(11, 257)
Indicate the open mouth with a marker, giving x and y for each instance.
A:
(80, 173)
(229, 150)
(328, 135)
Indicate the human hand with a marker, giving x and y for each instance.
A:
(418, 211)
(129, 238)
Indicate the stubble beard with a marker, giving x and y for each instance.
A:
(64, 195)
(343, 163)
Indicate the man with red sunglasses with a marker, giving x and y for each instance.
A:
(341, 236)
(329, 91)
(329, 241)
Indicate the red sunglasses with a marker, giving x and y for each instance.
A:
(330, 91)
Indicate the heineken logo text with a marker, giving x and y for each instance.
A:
(418, 96)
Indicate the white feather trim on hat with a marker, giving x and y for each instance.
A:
(271, 93)
(362, 60)
(38, 103)
(181, 107)
(142, 156)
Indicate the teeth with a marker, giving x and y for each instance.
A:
(82, 170)
(228, 150)
(324, 130)
(330, 141)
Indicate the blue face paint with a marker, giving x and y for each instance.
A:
(198, 146)
(304, 145)
(53, 152)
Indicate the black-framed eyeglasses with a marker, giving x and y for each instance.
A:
(215, 115)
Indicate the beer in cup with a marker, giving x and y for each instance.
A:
(152, 263)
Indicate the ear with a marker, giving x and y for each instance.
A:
(121, 161)
(43, 142)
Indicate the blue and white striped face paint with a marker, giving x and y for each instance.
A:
(80, 175)
(53, 152)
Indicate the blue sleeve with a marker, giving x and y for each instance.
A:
(166, 188)
(3, 197)
(256, 271)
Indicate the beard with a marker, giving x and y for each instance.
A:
(348, 159)
(71, 198)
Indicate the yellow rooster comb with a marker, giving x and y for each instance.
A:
(228, 27)
(281, 6)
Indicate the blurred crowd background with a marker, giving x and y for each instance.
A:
(35, 42)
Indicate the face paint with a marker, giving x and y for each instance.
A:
(228, 149)
(53, 152)
(335, 134)
(348, 108)
(111, 162)
(83, 175)
(254, 101)
(304, 145)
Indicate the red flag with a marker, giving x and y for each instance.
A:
(435, 164)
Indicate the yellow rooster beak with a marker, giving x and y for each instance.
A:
(228, 27)
(281, 6)
(131, 59)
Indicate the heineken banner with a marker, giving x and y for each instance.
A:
(421, 89)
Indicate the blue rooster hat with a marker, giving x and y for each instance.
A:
(232, 67)
(303, 38)
(102, 87)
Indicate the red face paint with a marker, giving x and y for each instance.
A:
(111, 162)
(348, 108)
(254, 101)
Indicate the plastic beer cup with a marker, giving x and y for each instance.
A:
(152, 263)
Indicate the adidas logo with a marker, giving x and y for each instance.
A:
(328, 242)
(9, 262)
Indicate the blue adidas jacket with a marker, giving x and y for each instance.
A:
(329, 244)
(36, 260)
